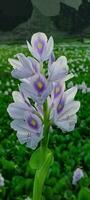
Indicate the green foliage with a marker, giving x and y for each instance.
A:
(71, 150)
(38, 157)
(84, 194)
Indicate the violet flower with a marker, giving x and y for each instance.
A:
(46, 92)
(51, 103)
(40, 47)
(24, 67)
(78, 174)
(64, 109)
(37, 87)
(25, 121)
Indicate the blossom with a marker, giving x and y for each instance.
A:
(25, 121)
(78, 174)
(63, 112)
(37, 87)
(58, 70)
(50, 99)
(1, 181)
(58, 89)
(24, 67)
(40, 47)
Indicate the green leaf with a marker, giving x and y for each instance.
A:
(84, 194)
(38, 158)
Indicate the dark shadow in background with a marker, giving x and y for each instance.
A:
(69, 20)
(14, 12)
(72, 20)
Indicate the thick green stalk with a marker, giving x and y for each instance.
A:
(46, 126)
(42, 172)
(40, 177)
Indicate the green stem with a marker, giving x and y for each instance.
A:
(40, 177)
(46, 126)
(41, 173)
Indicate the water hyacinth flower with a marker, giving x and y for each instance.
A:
(40, 47)
(37, 87)
(42, 100)
(78, 174)
(58, 70)
(1, 181)
(28, 120)
(64, 108)
(25, 121)
(24, 67)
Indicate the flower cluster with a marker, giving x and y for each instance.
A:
(35, 87)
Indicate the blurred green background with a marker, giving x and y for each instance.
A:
(70, 28)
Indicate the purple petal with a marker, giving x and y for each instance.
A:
(37, 88)
(40, 85)
(49, 49)
(58, 70)
(34, 123)
(40, 47)
(17, 110)
(60, 105)
(35, 64)
(51, 59)
(23, 69)
(58, 89)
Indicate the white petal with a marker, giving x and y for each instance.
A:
(33, 142)
(35, 64)
(25, 61)
(23, 136)
(17, 97)
(29, 138)
(19, 125)
(58, 70)
(17, 110)
(69, 110)
(29, 47)
(34, 53)
(67, 77)
(63, 61)
(70, 94)
(29, 91)
(49, 49)
(15, 63)
(38, 35)
(67, 125)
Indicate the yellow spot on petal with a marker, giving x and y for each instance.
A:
(33, 122)
(40, 85)
(57, 90)
(40, 45)
(59, 106)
